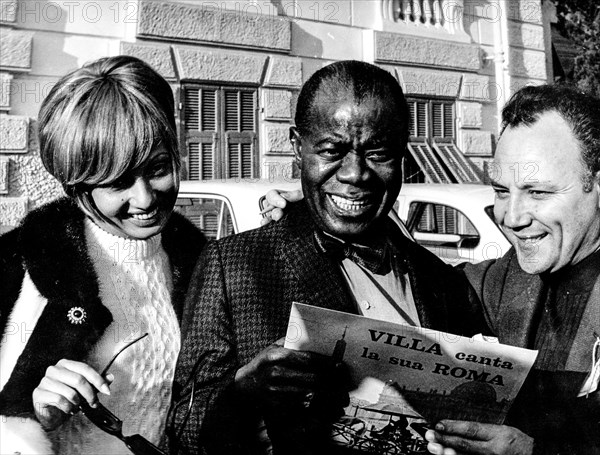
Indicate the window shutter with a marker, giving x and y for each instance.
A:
(240, 133)
(438, 119)
(209, 110)
(232, 113)
(247, 111)
(448, 120)
(200, 161)
(422, 123)
(432, 168)
(418, 116)
(460, 167)
(220, 132)
(192, 117)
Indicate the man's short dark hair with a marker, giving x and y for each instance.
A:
(363, 80)
(580, 110)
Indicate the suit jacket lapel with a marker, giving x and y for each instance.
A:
(522, 297)
(580, 357)
(319, 281)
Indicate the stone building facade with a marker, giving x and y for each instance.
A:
(236, 67)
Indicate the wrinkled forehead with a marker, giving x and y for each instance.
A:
(344, 109)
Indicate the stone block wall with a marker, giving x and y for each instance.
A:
(273, 46)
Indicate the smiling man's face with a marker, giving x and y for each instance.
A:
(351, 163)
(540, 202)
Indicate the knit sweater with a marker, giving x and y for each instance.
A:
(134, 278)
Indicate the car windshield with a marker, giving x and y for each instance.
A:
(489, 210)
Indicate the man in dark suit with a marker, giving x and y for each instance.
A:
(337, 249)
(545, 292)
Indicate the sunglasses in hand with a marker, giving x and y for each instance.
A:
(111, 424)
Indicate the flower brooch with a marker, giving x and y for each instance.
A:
(76, 315)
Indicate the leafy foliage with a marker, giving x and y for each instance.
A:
(579, 21)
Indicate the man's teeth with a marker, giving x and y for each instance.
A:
(347, 204)
(533, 239)
(144, 216)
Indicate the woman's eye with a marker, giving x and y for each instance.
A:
(159, 169)
(121, 183)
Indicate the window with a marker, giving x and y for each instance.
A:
(219, 132)
(431, 118)
(212, 216)
(433, 155)
(441, 225)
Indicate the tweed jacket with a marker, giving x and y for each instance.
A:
(239, 303)
(547, 407)
(50, 246)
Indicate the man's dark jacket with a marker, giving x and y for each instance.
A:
(547, 407)
(239, 303)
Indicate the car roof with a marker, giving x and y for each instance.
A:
(450, 191)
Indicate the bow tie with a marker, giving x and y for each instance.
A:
(375, 259)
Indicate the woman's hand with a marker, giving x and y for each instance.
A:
(61, 390)
(276, 202)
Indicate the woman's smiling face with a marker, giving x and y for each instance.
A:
(138, 205)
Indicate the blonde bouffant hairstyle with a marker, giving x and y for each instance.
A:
(102, 121)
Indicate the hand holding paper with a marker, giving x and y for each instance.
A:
(477, 438)
(285, 381)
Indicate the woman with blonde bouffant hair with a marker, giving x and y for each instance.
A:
(93, 283)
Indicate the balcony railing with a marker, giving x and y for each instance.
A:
(441, 14)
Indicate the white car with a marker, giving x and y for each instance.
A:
(454, 221)
(229, 206)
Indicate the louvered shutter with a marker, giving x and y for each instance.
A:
(428, 161)
(418, 115)
(442, 119)
(201, 117)
(461, 168)
(220, 132)
(448, 120)
(240, 135)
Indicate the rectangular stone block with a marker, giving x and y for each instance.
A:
(470, 115)
(218, 66)
(277, 104)
(205, 23)
(15, 49)
(4, 169)
(396, 48)
(526, 35)
(278, 140)
(8, 11)
(476, 143)
(14, 134)
(12, 211)
(525, 10)
(5, 79)
(158, 57)
(432, 83)
(284, 72)
(479, 88)
(527, 63)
